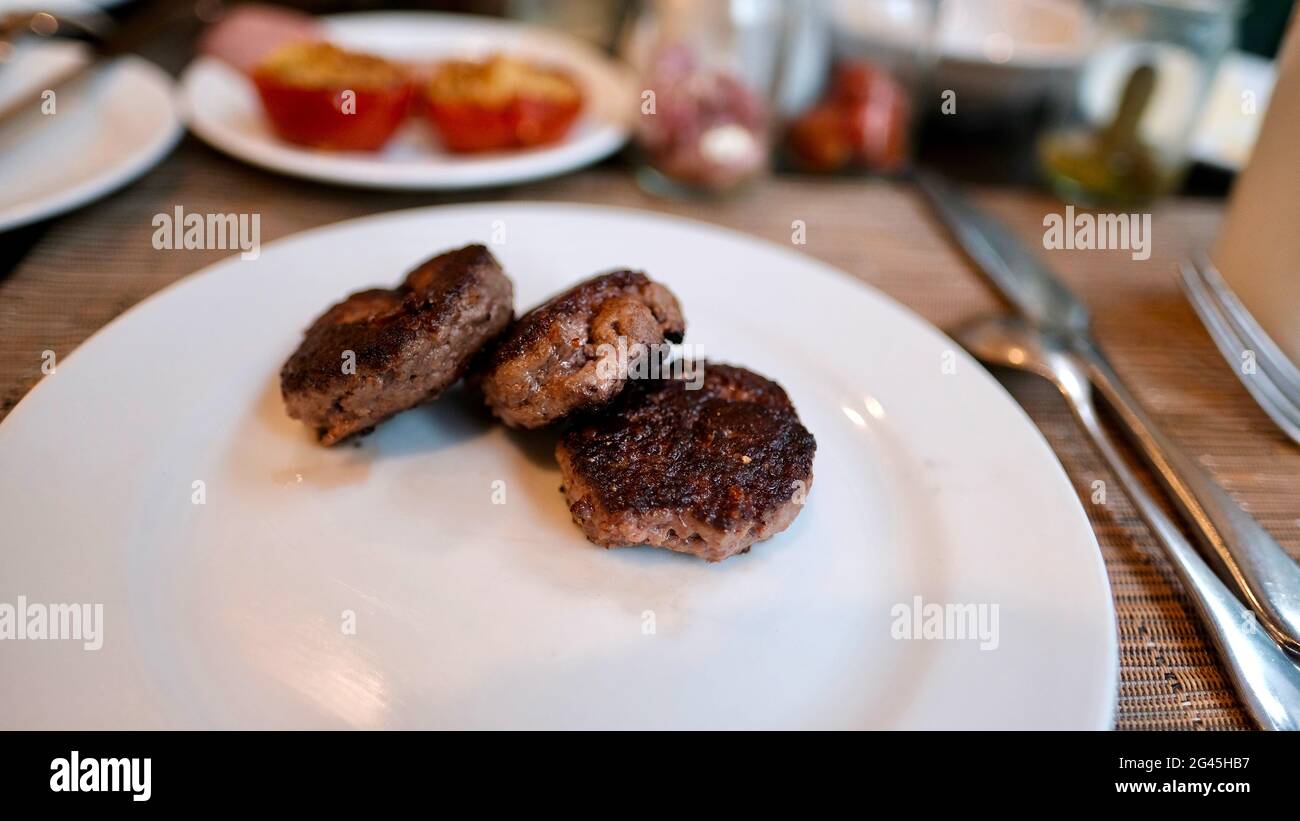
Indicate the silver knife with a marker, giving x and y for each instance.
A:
(1267, 578)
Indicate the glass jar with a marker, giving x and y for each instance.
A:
(863, 121)
(1123, 137)
(709, 71)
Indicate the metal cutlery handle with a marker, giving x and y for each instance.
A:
(1265, 676)
(1268, 578)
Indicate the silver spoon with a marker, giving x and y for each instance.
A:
(1265, 676)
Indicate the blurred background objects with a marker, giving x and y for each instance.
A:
(1122, 136)
(1105, 101)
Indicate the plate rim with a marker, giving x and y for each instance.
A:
(1101, 716)
(140, 162)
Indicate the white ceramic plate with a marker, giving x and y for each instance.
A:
(105, 130)
(236, 612)
(223, 108)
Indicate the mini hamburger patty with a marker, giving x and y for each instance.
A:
(410, 343)
(707, 471)
(562, 355)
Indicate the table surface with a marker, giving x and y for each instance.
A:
(93, 265)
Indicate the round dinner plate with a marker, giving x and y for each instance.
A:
(223, 109)
(104, 131)
(429, 575)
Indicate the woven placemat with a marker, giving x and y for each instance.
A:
(94, 264)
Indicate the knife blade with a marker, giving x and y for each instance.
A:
(1019, 276)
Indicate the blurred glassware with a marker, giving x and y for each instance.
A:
(807, 60)
(993, 56)
(865, 119)
(1123, 137)
(711, 72)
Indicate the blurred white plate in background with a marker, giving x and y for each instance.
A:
(106, 129)
(223, 108)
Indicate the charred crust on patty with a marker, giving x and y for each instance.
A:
(410, 343)
(707, 471)
(557, 359)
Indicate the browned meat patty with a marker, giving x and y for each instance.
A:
(707, 471)
(563, 355)
(410, 343)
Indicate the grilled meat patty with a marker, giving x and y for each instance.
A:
(564, 355)
(708, 471)
(408, 344)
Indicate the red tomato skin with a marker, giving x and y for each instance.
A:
(467, 127)
(540, 122)
(314, 117)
